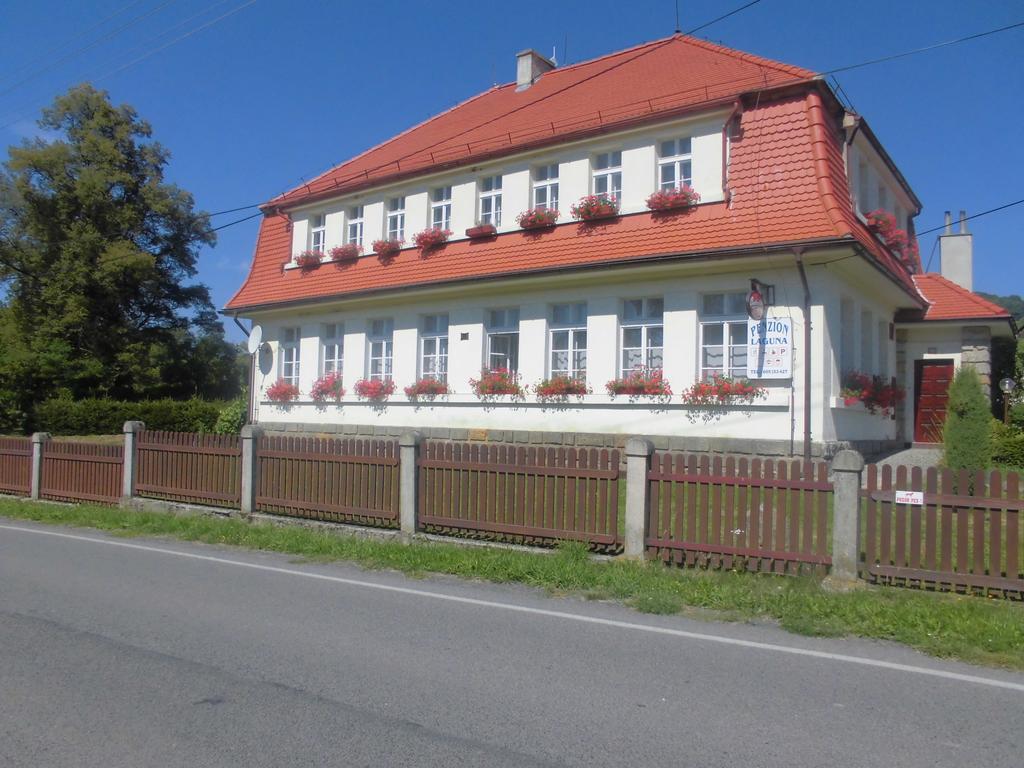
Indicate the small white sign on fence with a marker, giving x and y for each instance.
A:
(910, 497)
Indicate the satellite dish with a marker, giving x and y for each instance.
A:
(255, 339)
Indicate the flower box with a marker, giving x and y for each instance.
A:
(328, 387)
(282, 391)
(376, 390)
(431, 238)
(723, 390)
(346, 252)
(309, 259)
(594, 207)
(499, 381)
(386, 248)
(558, 388)
(537, 218)
(672, 199)
(884, 224)
(640, 384)
(877, 395)
(482, 230)
(427, 389)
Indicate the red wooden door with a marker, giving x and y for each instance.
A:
(931, 391)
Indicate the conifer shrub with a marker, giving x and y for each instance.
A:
(966, 436)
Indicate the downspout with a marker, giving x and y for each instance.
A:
(252, 374)
(799, 253)
(737, 109)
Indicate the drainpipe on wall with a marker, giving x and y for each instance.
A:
(252, 373)
(799, 253)
(737, 110)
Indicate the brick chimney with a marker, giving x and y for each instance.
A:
(956, 251)
(530, 65)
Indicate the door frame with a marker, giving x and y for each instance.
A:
(919, 365)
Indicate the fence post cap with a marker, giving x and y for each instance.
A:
(639, 446)
(847, 461)
(250, 431)
(134, 426)
(410, 439)
(41, 437)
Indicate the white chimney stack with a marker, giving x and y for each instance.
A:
(530, 65)
(956, 251)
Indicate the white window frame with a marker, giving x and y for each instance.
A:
(607, 173)
(291, 345)
(648, 322)
(502, 326)
(728, 320)
(675, 159)
(545, 185)
(441, 208)
(318, 233)
(867, 345)
(380, 347)
(883, 349)
(394, 222)
(847, 334)
(434, 347)
(354, 226)
(490, 200)
(573, 324)
(332, 348)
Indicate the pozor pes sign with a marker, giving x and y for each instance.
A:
(770, 348)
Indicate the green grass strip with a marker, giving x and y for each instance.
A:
(972, 629)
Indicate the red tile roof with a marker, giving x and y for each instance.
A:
(787, 184)
(949, 301)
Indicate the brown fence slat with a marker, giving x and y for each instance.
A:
(190, 467)
(16, 465)
(80, 471)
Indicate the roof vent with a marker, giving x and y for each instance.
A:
(530, 65)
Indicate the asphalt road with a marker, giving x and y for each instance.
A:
(159, 653)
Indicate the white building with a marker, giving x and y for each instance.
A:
(786, 178)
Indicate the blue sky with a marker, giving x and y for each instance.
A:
(280, 91)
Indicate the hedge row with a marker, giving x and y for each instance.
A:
(107, 417)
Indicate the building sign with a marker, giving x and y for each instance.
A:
(910, 497)
(770, 348)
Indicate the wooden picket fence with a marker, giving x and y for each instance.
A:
(16, 465)
(189, 467)
(527, 495)
(349, 480)
(965, 536)
(78, 471)
(759, 515)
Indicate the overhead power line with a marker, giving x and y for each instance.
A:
(237, 221)
(706, 24)
(235, 210)
(975, 216)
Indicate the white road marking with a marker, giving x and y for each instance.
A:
(702, 636)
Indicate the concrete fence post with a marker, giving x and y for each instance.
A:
(847, 467)
(638, 462)
(408, 454)
(131, 464)
(250, 435)
(39, 440)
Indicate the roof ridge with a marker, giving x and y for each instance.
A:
(753, 58)
(585, 62)
(970, 295)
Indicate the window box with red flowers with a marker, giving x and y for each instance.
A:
(672, 199)
(386, 248)
(481, 230)
(374, 390)
(537, 218)
(873, 392)
(346, 252)
(559, 389)
(309, 259)
(594, 207)
(434, 237)
(282, 392)
(426, 389)
(640, 384)
(723, 390)
(327, 387)
(495, 382)
(884, 224)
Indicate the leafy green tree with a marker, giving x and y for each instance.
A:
(966, 435)
(97, 256)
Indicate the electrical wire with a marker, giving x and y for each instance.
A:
(235, 210)
(720, 18)
(975, 216)
(236, 221)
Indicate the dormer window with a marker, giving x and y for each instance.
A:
(675, 164)
(317, 233)
(396, 218)
(545, 187)
(608, 174)
(354, 231)
(441, 208)
(490, 200)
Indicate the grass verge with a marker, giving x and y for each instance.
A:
(972, 629)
